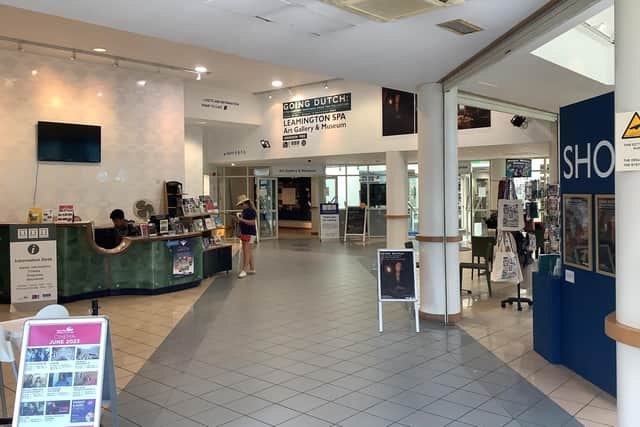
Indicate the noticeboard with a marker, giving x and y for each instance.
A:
(34, 262)
(62, 372)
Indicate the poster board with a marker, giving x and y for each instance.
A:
(577, 237)
(355, 223)
(182, 257)
(329, 221)
(34, 263)
(66, 370)
(397, 279)
(510, 215)
(518, 168)
(606, 234)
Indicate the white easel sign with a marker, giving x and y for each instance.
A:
(66, 370)
(397, 280)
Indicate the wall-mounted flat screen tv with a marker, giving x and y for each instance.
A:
(65, 142)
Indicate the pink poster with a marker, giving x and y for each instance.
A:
(61, 374)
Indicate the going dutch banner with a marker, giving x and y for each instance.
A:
(304, 119)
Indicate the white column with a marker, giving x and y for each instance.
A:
(627, 98)
(397, 200)
(438, 166)
(193, 160)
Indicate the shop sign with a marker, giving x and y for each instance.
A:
(33, 258)
(297, 171)
(628, 142)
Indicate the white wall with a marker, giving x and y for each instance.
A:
(363, 134)
(142, 135)
(204, 102)
(193, 160)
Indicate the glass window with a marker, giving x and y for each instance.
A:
(378, 168)
(335, 170)
(353, 190)
(413, 169)
(355, 170)
(342, 191)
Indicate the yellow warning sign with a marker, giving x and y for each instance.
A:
(633, 128)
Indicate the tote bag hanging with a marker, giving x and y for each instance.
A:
(506, 266)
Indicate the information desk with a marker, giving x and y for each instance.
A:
(137, 266)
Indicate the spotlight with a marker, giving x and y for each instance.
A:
(200, 69)
(34, 72)
(270, 96)
(141, 83)
(199, 77)
(99, 49)
(520, 121)
(326, 85)
(265, 143)
(116, 63)
(73, 56)
(276, 83)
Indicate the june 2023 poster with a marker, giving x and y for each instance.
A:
(61, 376)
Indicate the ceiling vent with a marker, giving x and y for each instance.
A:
(460, 26)
(386, 10)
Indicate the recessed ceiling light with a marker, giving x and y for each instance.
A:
(276, 83)
(141, 83)
(233, 164)
(201, 69)
(99, 93)
(34, 72)
(99, 49)
(270, 96)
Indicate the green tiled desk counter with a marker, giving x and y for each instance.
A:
(138, 266)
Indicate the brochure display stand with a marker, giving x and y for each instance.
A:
(397, 281)
(66, 373)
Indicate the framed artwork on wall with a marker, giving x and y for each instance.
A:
(606, 234)
(577, 230)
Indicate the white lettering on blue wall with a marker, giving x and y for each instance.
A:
(574, 160)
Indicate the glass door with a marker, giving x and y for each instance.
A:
(267, 207)
(330, 190)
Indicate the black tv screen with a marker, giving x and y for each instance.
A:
(64, 142)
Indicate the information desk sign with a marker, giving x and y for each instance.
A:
(329, 221)
(397, 280)
(66, 370)
(34, 277)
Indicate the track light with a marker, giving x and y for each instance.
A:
(265, 143)
(326, 85)
(20, 47)
(73, 56)
(116, 63)
(199, 77)
(270, 96)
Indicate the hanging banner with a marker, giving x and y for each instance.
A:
(62, 373)
(303, 119)
(34, 263)
(518, 168)
(183, 259)
(329, 221)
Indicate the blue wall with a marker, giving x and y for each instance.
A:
(585, 347)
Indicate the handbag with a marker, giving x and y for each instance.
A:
(506, 265)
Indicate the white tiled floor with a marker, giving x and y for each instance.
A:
(508, 334)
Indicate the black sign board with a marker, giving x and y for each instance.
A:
(356, 217)
(314, 106)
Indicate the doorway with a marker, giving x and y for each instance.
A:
(294, 207)
(267, 207)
